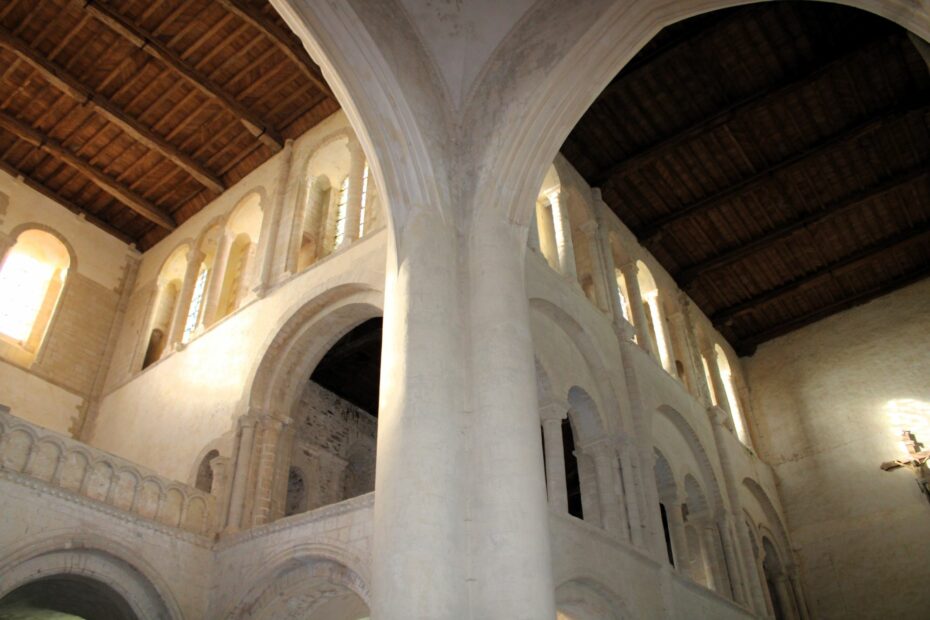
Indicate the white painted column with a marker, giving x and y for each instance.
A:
(798, 592)
(605, 458)
(640, 324)
(420, 560)
(630, 495)
(217, 277)
(533, 240)
(598, 269)
(509, 527)
(736, 544)
(546, 228)
(241, 474)
(665, 354)
(676, 529)
(219, 465)
(275, 240)
(563, 236)
(194, 259)
(354, 191)
(552, 415)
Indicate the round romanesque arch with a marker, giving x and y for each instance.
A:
(316, 582)
(92, 567)
(310, 331)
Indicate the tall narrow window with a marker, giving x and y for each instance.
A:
(196, 302)
(341, 213)
(361, 216)
(31, 279)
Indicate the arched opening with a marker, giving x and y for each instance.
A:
(572, 475)
(311, 588)
(165, 307)
(729, 386)
(65, 597)
(204, 480)
(669, 508)
(774, 576)
(32, 277)
(333, 453)
(235, 270)
(654, 314)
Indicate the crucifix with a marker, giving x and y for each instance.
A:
(917, 463)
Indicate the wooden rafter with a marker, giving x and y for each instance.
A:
(687, 277)
(650, 234)
(146, 42)
(778, 91)
(281, 40)
(42, 141)
(106, 108)
(48, 193)
(747, 346)
(832, 269)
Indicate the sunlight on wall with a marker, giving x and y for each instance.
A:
(562, 616)
(25, 280)
(908, 414)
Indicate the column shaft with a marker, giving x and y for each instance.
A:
(241, 474)
(181, 310)
(547, 242)
(612, 517)
(640, 325)
(420, 562)
(270, 433)
(555, 462)
(279, 225)
(509, 518)
(598, 269)
(217, 278)
(354, 191)
(563, 235)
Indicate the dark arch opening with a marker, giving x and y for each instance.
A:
(64, 597)
(333, 454)
(572, 477)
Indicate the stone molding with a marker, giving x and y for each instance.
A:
(76, 469)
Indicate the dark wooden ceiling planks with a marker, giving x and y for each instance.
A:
(775, 158)
(138, 113)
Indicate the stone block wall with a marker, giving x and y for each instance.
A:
(831, 401)
(334, 448)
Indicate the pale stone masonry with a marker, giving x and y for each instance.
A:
(558, 424)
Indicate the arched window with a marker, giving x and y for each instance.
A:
(654, 315)
(193, 312)
(726, 375)
(341, 207)
(572, 476)
(32, 276)
(161, 321)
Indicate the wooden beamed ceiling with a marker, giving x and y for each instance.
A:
(138, 113)
(774, 158)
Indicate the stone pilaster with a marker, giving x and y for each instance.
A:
(552, 415)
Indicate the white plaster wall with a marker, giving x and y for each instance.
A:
(166, 415)
(36, 399)
(831, 400)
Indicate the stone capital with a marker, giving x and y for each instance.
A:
(589, 228)
(719, 415)
(553, 410)
(195, 256)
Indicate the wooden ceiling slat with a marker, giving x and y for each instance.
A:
(296, 53)
(651, 232)
(108, 110)
(147, 43)
(747, 346)
(783, 89)
(48, 193)
(896, 241)
(53, 147)
(688, 276)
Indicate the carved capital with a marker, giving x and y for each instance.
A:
(553, 410)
